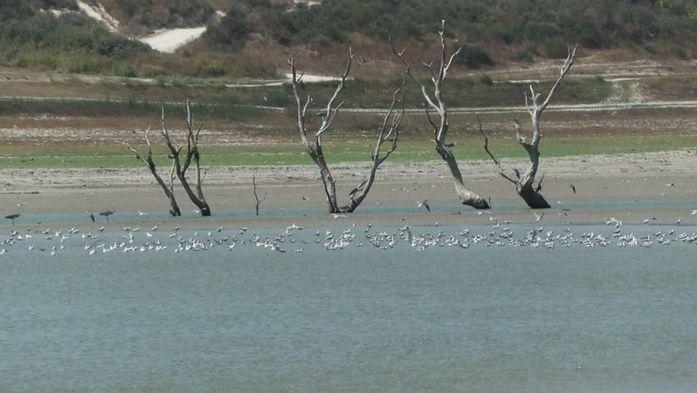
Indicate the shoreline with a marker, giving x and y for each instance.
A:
(631, 187)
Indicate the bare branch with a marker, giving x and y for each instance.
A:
(518, 133)
(150, 164)
(493, 157)
(570, 60)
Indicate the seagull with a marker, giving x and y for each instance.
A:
(424, 204)
(12, 217)
(613, 221)
(538, 217)
(573, 188)
(693, 212)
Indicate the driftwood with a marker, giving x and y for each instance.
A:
(168, 188)
(184, 156)
(436, 103)
(388, 133)
(525, 183)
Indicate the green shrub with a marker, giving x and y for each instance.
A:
(152, 71)
(231, 31)
(71, 42)
(209, 67)
(127, 72)
(485, 79)
(526, 54)
(474, 57)
(593, 23)
(556, 48)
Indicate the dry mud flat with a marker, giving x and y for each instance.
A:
(658, 186)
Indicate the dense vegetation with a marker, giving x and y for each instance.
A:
(71, 42)
(488, 30)
(147, 15)
(543, 25)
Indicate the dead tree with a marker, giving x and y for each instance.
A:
(525, 183)
(436, 103)
(167, 188)
(257, 198)
(184, 156)
(388, 133)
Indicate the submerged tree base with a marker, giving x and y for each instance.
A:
(533, 199)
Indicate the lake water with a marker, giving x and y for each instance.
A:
(481, 319)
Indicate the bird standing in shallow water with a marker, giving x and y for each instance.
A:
(12, 217)
(106, 214)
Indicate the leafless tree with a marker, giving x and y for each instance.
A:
(150, 164)
(257, 198)
(184, 156)
(436, 103)
(388, 133)
(525, 183)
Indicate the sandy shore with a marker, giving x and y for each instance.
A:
(632, 187)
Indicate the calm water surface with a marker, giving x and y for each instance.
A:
(497, 319)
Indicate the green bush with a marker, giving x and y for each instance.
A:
(209, 67)
(71, 42)
(526, 54)
(127, 72)
(150, 14)
(544, 23)
(556, 48)
(473, 56)
(231, 31)
(485, 79)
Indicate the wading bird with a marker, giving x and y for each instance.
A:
(106, 214)
(12, 217)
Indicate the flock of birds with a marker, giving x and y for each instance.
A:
(297, 240)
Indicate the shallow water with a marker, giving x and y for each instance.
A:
(500, 319)
(611, 207)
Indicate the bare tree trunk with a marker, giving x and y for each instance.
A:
(167, 188)
(533, 198)
(389, 132)
(435, 102)
(257, 198)
(525, 185)
(327, 179)
(466, 196)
